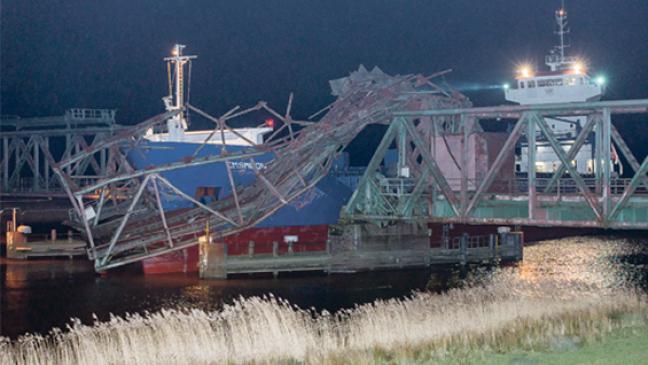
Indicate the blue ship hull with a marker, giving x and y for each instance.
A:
(319, 206)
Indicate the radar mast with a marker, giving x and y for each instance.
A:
(557, 59)
(176, 79)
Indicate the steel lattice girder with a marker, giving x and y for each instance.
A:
(562, 208)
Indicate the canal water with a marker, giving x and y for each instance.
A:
(39, 295)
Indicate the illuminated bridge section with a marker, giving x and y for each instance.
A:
(450, 170)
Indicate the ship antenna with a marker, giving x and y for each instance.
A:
(176, 78)
(557, 58)
(561, 19)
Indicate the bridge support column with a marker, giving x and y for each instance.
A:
(36, 184)
(606, 159)
(598, 154)
(465, 152)
(46, 164)
(5, 163)
(531, 168)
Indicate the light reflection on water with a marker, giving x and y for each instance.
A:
(39, 295)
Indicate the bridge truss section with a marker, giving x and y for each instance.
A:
(423, 187)
(30, 147)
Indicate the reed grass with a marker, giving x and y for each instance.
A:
(498, 312)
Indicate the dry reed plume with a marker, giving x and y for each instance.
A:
(521, 307)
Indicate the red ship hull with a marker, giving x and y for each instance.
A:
(306, 238)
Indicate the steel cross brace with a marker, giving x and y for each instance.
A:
(432, 166)
(573, 151)
(506, 150)
(373, 165)
(591, 201)
(123, 222)
(638, 178)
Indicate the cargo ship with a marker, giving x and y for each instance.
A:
(303, 222)
(567, 79)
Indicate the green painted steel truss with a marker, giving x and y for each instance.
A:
(418, 190)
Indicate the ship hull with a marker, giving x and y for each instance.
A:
(304, 221)
(253, 241)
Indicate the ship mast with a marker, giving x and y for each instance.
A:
(557, 60)
(175, 100)
(561, 19)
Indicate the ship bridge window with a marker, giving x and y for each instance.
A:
(550, 82)
(522, 84)
(532, 84)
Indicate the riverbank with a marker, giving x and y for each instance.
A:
(622, 346)
(619, 341)
(567, 295)
(454, 327)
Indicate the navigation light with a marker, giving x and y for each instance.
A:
(525, 71)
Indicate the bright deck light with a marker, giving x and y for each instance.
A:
(525, 71)
(600, 80)
(506, 86)
(578, 68)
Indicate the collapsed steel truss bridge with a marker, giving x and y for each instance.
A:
(124, 220)
(123, 217)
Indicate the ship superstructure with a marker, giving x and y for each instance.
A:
(302, 222)
(177, 126)
(566, 81)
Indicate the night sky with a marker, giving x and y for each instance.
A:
(108, 54)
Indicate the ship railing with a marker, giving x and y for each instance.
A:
(557, 59)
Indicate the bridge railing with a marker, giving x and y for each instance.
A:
(563, 186)
(400, 187)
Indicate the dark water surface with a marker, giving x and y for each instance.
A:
(38, 295)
